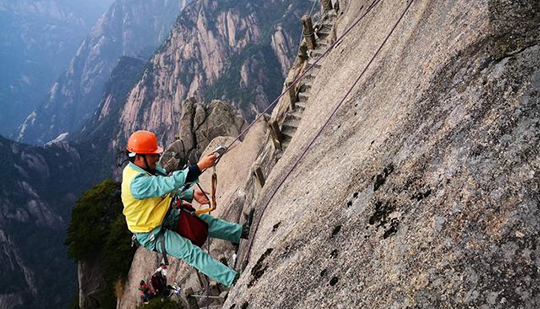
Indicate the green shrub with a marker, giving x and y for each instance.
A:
(98, 232)
(91, 220)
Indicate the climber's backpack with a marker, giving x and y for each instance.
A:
(190, 225)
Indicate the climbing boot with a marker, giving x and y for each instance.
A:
(247, 225)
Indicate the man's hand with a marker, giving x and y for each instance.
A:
(207, 161)
(200, 198)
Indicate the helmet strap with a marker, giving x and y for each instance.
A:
(147, 165)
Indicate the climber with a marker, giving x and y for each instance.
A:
(147, 193)
(146, 292)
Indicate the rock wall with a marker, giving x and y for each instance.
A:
(90, 279)
(422, 191)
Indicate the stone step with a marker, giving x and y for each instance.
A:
(322, 44)
(292, 120)
(305, 87)
(308, 77)
(303, 97)
(330, 17)
(289, 124)
(286, 141)
(316, 66)
(292, 115)
(326, 25)
(323, 33)
(297, 114)
(300, 106)
(289, 127)
(317, 53)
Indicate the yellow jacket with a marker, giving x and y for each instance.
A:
(147, 197)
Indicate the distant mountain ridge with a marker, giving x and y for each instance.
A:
(128, 28)
(37, 38)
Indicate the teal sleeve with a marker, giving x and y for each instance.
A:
(187, 195)
(145, 186)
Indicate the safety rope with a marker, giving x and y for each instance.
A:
(295, 81)
(324, 125)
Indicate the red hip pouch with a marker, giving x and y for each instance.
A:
(190, 226)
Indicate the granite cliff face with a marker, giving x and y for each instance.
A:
(37, 38)
(129, 28)
(199, 125)
(422, 189)
(237, 51)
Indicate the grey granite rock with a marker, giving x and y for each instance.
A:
(422, 192)
(198, 126)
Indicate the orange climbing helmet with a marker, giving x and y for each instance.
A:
(143, 142)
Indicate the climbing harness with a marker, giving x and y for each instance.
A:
(161, 237)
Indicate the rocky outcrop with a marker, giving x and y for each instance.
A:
(128, 28)
(422, 189)
(36, 41)
(10, 301)
(90, 278)
(198, 126)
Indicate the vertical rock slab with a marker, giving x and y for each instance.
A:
(422, 190)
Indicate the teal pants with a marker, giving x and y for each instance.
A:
(182, 248)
